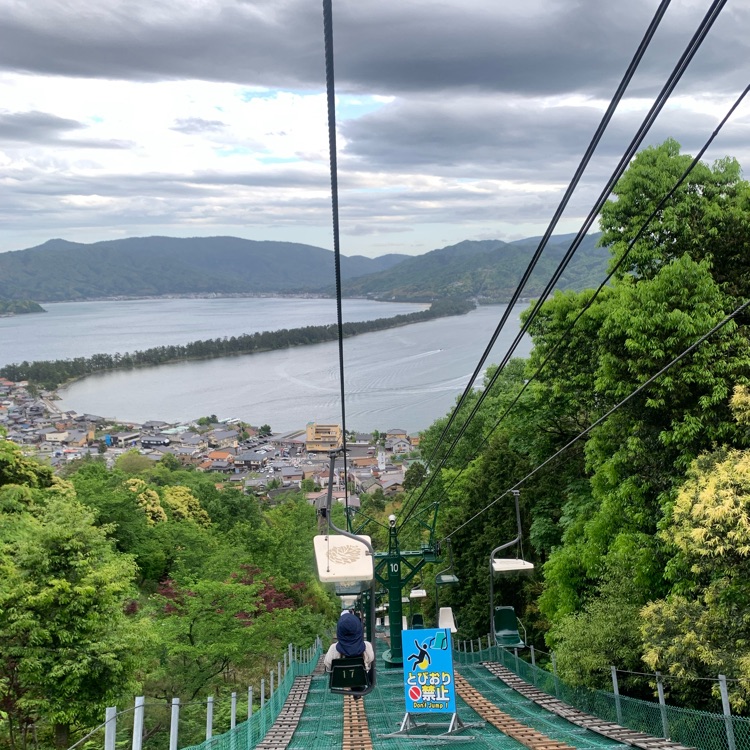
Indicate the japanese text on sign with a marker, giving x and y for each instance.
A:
(428, 671)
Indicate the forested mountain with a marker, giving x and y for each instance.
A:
(152, 266)
(487, 270)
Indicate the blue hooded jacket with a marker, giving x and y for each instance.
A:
(351, 639)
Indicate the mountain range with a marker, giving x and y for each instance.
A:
(487, 270)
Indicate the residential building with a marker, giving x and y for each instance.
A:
(321, 438)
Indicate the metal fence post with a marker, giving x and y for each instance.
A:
(249, 717)
(278, 682)
(554, 673)
(533, 665)
(174, 724)
(472, 645)
(727, 711)
(233, 717)
(515, 653)
(140, 703)
(110, 731)
(662, 706)
(616, 691)
(262, 704)
(209, 717)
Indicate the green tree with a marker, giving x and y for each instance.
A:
(702, 627)
(707, 219)
(15, 468)
(67, 649)
(414, 476)
(133, 462)
(171, 462)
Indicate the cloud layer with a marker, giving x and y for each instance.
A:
(455, 120)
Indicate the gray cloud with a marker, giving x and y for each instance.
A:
(193, 125)
(488, 96)
(387, 47)
(33, 127)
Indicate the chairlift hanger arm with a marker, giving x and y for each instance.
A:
(381, 574)
(519, 533)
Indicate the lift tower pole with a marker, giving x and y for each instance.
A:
(396, 568)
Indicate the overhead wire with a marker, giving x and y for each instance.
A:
(666, 91)
(331, 105)
(601, 419)
(564, 336)
(580, 169)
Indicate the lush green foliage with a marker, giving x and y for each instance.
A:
(148, 581)
(639, 550)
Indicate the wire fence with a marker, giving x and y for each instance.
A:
(237, 722)
(696, 729)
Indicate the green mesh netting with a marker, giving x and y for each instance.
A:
(320, 726)
(698, 729)
(248, 734)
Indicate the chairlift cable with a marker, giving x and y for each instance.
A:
(564, 338)
(666, 91)
(331, 103)
(609, 113)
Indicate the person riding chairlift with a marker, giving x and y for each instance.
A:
(351, 642)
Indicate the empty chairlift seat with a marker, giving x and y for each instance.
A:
(506, 628)
(417, 621)
(445, 619)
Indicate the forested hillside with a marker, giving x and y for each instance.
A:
(19, 307)
(145, 580)
(640, 530)
(487, 270)
(154, 266)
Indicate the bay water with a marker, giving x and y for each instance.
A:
(405, 377)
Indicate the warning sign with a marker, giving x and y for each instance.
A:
(428, 671)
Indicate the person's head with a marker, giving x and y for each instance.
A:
(351, 641)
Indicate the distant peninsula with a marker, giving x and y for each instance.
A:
(51, 374)
(19, 307)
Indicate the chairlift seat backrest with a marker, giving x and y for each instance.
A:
(348, 675)
(445, 619)
(417, 621)
(506, 628)
(343, 560)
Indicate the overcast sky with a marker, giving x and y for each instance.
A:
(458, 119)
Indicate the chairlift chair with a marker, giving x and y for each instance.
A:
(505, 628)
(503, 620)
(349, 676)
(346, 560)
(445, 577)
